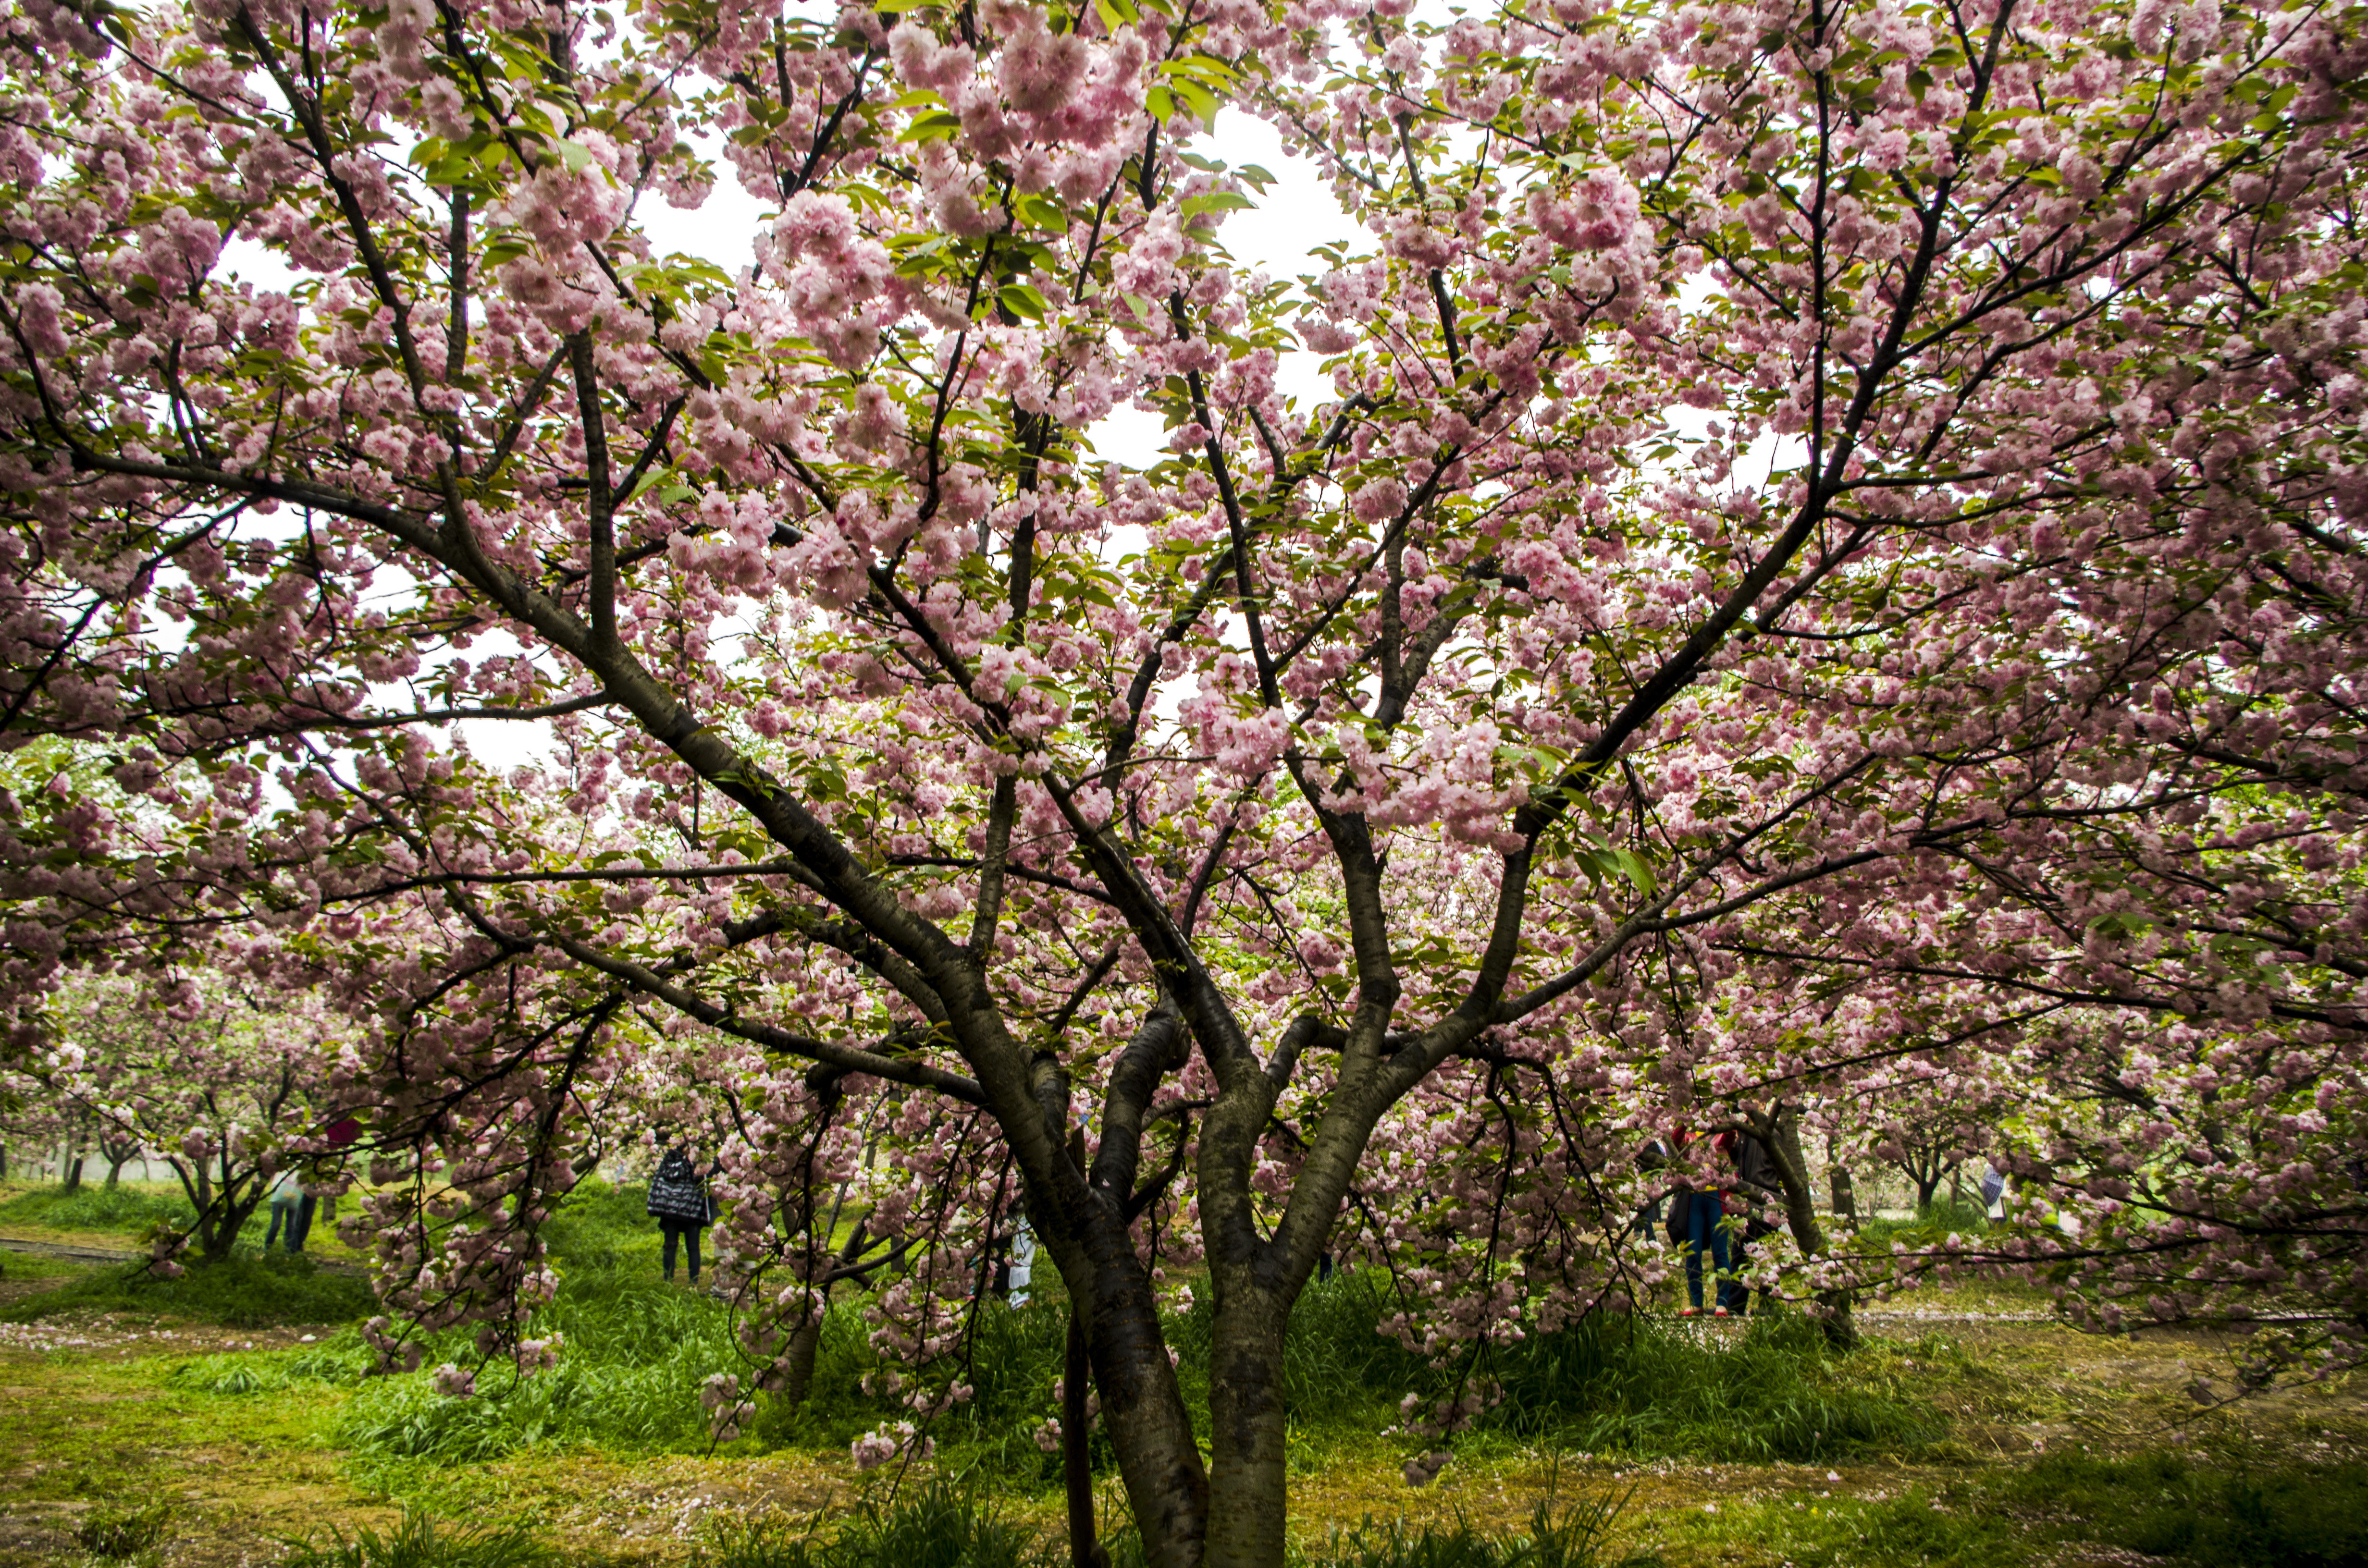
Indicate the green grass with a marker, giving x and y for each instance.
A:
(1644, 1385)
(420, 1541)
(1573, 1536)
(112, 1535)
(131, 1209)
(2210, 1514)
(2219, 1511)
(638, 1349)
(341, 1358)
(1773, 1392)
(937, 1524)
(33, 1265)
(599, 1226)
(251, 1289)
(245, 1290)
(1914, 1528)
(1932, 1225)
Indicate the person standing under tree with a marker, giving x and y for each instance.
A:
(287, 1192)
(1697, 1218)
(679, 1202)
(315, 1188)
(1757, 1185)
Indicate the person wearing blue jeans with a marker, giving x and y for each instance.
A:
(1705, 1215)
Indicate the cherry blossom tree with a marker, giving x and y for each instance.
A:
(230, 1092)
(30, 1126)
(1817, 498)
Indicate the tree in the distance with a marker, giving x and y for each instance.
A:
(1351, 770)
(228, 1090)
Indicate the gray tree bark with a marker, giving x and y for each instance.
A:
(1779, 1127)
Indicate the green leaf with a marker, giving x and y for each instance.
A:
(1215, 201)
(930, 127)
(1205, 65)
(1198, 98)
(1022, 301)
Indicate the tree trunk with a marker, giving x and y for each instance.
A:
(73, 1183)
(1845, 1193)
(1779, 1131)
(1076, 1441)
(1143, 1409)
(1076, 1450)
(805, 1343)
(1248, 1496)
(217, 1231)
(805, 1340)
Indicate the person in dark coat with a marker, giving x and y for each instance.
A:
(679, 1202)
(1757, 1186)
(1646, 1221)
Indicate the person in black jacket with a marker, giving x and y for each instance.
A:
(1760, 1188)
(679, 1202)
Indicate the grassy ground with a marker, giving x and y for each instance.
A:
(124, 1215)
(222, 1422)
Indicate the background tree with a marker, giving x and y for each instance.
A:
(196, 1068)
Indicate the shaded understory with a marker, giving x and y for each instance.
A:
(236, 1399)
